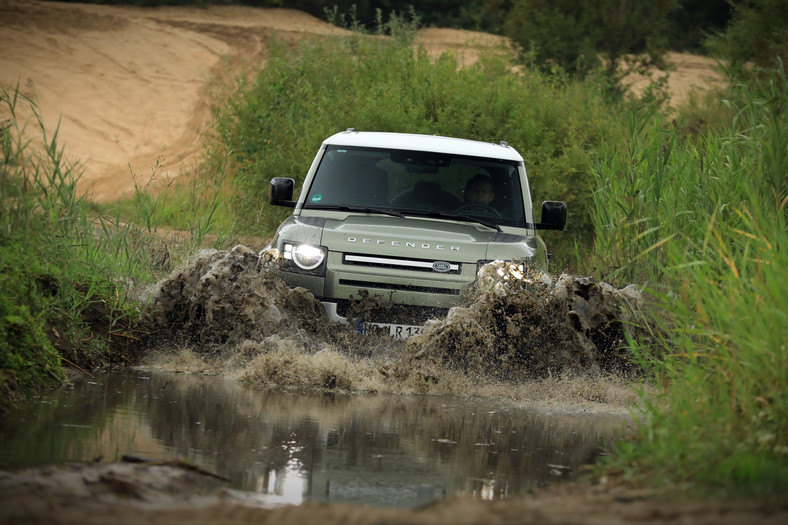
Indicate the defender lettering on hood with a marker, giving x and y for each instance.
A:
(403, 198)
(406, 244)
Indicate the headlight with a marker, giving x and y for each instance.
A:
(305, 256)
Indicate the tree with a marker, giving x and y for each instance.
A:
(691, 25)
(581, 36)
(757, 33)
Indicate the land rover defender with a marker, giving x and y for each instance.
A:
(408, 220)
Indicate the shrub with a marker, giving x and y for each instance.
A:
(580, 36)
(274, 122)
(60, 298)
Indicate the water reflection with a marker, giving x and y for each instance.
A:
(379, 450)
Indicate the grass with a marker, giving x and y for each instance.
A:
(41, 292)
(69, 273)
(701, 220)
(197, 206)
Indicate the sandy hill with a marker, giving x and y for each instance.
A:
(129, 85)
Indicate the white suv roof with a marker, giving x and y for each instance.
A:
(415, 142)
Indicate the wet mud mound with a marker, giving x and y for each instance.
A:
(134, 486)
(231, 307)
(519, 325)
(226, 313)
(217, 300)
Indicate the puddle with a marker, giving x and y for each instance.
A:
(383, 450)
(246, 378)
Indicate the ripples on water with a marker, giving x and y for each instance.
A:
(288, 446)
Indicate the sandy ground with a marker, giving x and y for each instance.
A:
(124, 493)
(129, 86)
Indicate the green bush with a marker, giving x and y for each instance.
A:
(756, 33)
(274, 122)
(27, 358)
(581, 37)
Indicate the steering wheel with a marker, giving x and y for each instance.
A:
(478, 207)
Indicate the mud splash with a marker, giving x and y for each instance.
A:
(519, 337)
(520, 326)
(218, 300)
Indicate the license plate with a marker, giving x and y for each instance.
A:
(394, 330)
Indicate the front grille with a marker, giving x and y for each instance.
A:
(415, 265)
(399, 287)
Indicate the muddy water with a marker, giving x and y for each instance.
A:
(385, 450)
(521, 386)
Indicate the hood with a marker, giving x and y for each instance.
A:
(421, 238)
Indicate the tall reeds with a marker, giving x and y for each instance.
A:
(64, 271)
(700, 216)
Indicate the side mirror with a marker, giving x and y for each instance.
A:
(280, 192)
(553, 216)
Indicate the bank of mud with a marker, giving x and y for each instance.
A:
(170, 493)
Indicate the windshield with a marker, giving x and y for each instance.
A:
(385, 180)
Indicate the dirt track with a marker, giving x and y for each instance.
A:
(124, 493)
(130, 85)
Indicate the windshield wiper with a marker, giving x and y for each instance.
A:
(454, 216)
(401, 214)
(360, 209)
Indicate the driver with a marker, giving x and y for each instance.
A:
(479, 189)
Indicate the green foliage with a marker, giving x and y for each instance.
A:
(757, 33)
(274, 122)
(59, 298)
(21, 365)
(700, 215)
(581, 37)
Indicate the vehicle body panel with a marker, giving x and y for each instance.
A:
(387, 213)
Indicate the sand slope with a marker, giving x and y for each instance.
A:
(130, 85)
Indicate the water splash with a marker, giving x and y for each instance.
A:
(518, 337)
(518, 325)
